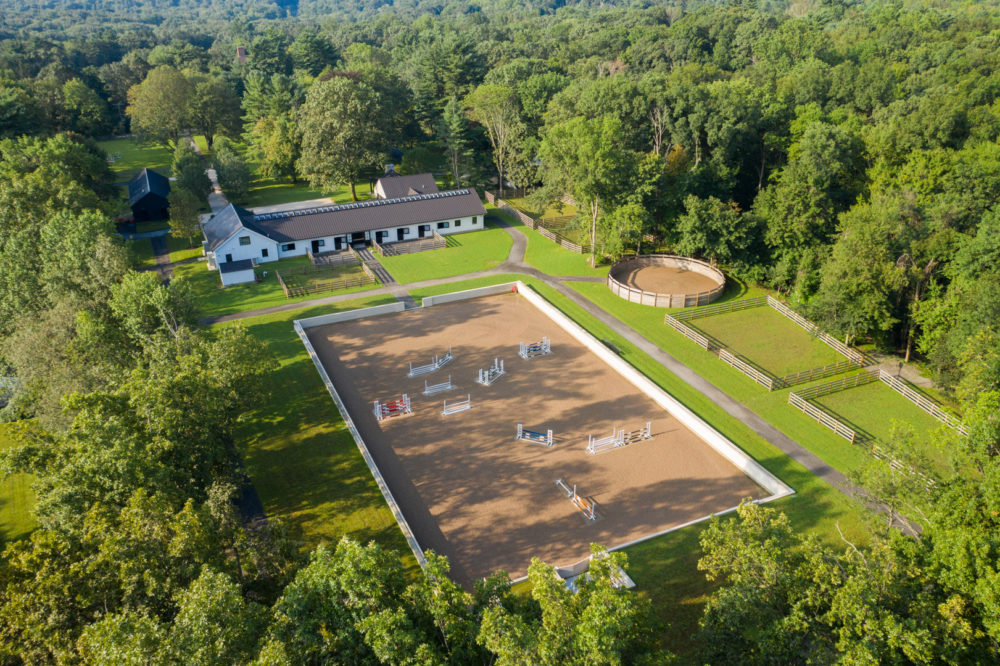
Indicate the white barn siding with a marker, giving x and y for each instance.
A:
(252, 251)
(237, 277)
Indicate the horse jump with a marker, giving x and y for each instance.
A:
(587, 507)
(531, 349)
(618, 438)
(390, 408)
(436, 364)
(544, 438)
(457, 406)
(489, 375)
(431, 389)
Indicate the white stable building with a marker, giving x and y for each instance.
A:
(237, 239)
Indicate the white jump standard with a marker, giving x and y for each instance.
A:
(531, 349)
(398, 407)
(489, 375)
(436, 364)
(543, 438)
(456, 406)
(618, 438)
(431, 389)
(587, 507)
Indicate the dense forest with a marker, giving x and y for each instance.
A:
(843, 153)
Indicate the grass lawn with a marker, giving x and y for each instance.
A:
(136, 156)
(179, 249)
(141, 250)
(769, 339)
(212, 300)
(321, 275)
(157, 225)
(550, 257)
(466, 253)
(299, 454)
(873, 408)
(16, 498)
(202, 144)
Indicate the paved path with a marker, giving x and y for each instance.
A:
(146, 234)
(216, 199)
(163, 266)
(897, 368)
(376, 267)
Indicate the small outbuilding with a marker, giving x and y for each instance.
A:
(147, 196)
(236, 272)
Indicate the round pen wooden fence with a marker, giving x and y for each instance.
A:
(661, 300)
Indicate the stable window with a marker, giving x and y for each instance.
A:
(321, 242)
(244, 240)
(458, 223)
(288, 247)
(444, 225)
(263, 252)
(406, 231)
(475, 219)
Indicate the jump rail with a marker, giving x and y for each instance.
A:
(457, 406)
(618, 438)
(587, 507)
(389, 409)
(432, 389)
(530, 350)
(544, 438)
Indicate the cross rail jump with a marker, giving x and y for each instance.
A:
(431, 389)
(543, 438)
(390, 408)
(436, 364)
(529, 350)
(587, 507)
(618, 438)
(489, 375)
(457, 406)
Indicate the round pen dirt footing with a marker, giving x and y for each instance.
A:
(666, 281)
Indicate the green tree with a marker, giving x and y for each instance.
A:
(311, 52)
(87, 112)
(189, 170)
(495, 108)
(214, 108)
(586, 158)
(454, 136)
(342, 136)
(231, 170)
(712, 229)
(185, 214)
(599, 624)
(158, 107)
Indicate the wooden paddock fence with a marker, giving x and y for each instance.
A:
(346, 257)
(824, 418)
(537, 225)
(903, 388)
(435, 242)
(366, 278)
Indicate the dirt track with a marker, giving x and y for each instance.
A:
(467, 488)
(665, 280)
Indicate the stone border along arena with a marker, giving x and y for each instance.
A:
(666, 281)
(460, 484)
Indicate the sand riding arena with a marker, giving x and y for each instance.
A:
(434, 397)
(666, 281)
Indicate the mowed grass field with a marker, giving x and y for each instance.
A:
(180, 249)
(16, 497)
(769, 339)
(466, 253)
(136, 155)
(298, 451)
(874, 408)
(213, 300)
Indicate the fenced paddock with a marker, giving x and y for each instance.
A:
(462, 485)
(435, 242)
(862, 408)
(552, 232)
(305, 280)
(666, 281)
(767, 341)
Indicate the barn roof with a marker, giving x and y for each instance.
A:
(395, 186)
(146, 182)
(336, 220)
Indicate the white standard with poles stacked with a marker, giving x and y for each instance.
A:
(618, 438)
(398, 407)
(456, 406)
(544, 438)
(489, 375)
(587, 507)
(530, 350)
